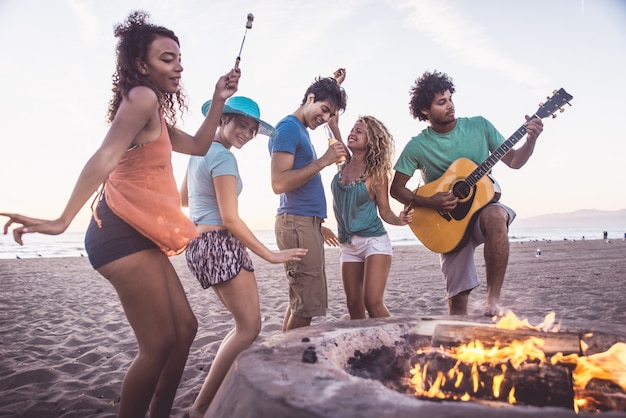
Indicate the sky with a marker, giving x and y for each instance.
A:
(505, 59)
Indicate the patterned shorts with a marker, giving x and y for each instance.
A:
(216, 257)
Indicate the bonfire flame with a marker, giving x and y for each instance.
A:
(475, 354)
(511, 321)
(516, 353)
(609, 365)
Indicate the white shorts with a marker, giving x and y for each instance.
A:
(363, 247)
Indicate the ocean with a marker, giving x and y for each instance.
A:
(70, 244)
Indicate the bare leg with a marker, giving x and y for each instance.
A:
(241, 298)
(297, 322)
(291, 321)
(352, 279)
(493, 222)
(286, 317)
(163, 324)
(377, 268)
(186, 328)
(457, 304)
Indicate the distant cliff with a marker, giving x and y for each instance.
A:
(586, 218)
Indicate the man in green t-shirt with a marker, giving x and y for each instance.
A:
(432, 152)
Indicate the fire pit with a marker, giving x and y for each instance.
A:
(351, 369)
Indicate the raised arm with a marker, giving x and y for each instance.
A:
(516, 158)
(333, 123)
(200, 143)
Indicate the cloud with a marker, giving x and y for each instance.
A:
(445, 24)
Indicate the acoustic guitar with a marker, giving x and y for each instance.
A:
(444, 231)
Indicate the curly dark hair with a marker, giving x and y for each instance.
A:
(424, 90)
(327, 88)
(135, 36)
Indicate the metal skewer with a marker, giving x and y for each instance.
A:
(248, 26)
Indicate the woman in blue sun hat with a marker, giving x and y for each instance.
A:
(218, 257)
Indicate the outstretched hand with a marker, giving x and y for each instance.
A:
(292, 254)
(30, 225)
(329, 237)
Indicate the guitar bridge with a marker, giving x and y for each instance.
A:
(445, 215)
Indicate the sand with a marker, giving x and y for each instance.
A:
(65, 343)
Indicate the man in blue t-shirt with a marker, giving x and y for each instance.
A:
(432, 152)
(296, 177)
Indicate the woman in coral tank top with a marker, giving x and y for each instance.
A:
(138, 221)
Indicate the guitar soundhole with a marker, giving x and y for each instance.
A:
(461, 190)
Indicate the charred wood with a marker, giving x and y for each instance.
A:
(530, 384)
(448, 335)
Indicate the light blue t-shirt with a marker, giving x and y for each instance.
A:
(308, 199)
(219, 161)
(432, 152)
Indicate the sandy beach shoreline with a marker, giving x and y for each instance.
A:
(65, 343)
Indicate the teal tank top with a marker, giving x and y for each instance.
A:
(355, 211)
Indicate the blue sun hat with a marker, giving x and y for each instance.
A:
(241, 105)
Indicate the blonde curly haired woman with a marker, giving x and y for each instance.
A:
(360, 199)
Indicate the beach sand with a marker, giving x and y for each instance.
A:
(65, 343)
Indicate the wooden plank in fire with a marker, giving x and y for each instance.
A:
(454, 334)
(606, 400)
(426, 326)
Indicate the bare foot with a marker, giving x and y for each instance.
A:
(492, 310)
(191, 414)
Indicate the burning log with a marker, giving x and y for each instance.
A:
(597, 400)
(553, 342)
(438, 375)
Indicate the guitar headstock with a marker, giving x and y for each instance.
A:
(554, 104)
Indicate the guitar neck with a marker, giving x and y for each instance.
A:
(486, 166)
(553, 104)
